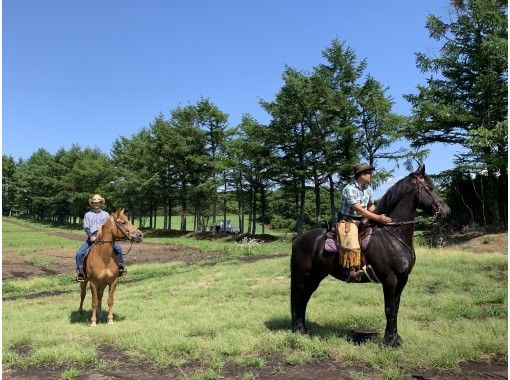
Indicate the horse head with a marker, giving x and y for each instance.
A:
(427, 197)
(124, 229)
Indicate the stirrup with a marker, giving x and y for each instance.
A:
(354, 276)
(80, 277)
(122, 271)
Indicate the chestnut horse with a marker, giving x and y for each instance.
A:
(101, 267)
(390, 251)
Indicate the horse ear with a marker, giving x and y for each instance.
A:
(120, 212)
(420, 171)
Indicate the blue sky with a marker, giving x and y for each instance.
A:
(87, 72)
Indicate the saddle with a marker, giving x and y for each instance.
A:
(365, 233)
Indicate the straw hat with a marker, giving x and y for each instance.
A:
(96, 198)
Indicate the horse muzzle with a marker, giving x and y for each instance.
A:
(443, 211)
(136, 236)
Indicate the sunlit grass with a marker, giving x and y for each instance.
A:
(16, 236)
(174, 313)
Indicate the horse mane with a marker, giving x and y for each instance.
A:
(394, 194)
(100, 230)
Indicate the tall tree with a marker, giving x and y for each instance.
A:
(379, 128)
(9, 167)
(465, 99)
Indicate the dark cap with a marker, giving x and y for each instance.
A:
(361, 168)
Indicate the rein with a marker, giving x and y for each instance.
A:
(419, 185)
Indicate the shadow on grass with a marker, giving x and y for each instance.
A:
(84, 317)
(314, 329)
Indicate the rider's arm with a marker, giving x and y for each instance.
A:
(87, 225)
(369, 213)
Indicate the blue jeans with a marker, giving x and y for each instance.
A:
(80, 254)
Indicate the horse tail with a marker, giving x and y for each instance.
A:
(293, 280)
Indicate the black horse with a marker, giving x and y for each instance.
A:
(389, 252)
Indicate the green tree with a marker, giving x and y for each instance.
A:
(465, 99)
(9, 168)
(36, 184)
(250, 171)
(379, 128)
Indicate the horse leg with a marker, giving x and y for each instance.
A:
(100, 291)
(111, 290)
(301, 291)
(83, 293)
(93, 289)
(392, 292)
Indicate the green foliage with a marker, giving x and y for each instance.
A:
(465, 98)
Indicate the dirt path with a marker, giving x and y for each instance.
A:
(121, 366)
(61, 261)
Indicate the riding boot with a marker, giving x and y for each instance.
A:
(122, 270)
(81, 275)
(354, 276)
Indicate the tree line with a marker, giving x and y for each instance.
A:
(288, 172)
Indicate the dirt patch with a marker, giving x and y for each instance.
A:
(479, 242)
(62, 261)
(119, 365)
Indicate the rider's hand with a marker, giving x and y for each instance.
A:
(93, 238)
(384, 219)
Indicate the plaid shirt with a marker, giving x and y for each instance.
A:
(353, 194)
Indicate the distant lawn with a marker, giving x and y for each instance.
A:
(15, 236)
(175, 224)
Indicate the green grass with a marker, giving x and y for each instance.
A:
(20, 237)
(246, 247)
(453, 309)
(175, 224)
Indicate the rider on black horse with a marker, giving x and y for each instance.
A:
(356, 203)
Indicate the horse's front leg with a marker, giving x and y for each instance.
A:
(111, 291)
(100, 291)
(392, 292)
(95, 303)
(83, 293)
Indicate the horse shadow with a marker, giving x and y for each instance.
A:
(325, 331)
(84, 317)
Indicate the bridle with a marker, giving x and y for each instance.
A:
(420, 185)
(122, 230)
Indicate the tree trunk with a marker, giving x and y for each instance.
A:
(332, 205)
(301, 216)
(183, 209)
(254, 212)
(317, 190)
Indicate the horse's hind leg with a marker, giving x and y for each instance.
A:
(302, 287)
(110, 301)
(83, 293)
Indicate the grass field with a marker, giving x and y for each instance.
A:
(453, 309)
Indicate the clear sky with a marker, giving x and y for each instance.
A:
(86, 72)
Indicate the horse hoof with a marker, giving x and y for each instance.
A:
(393, 343)
(93, 324)
(300, 330)
(110, 321)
